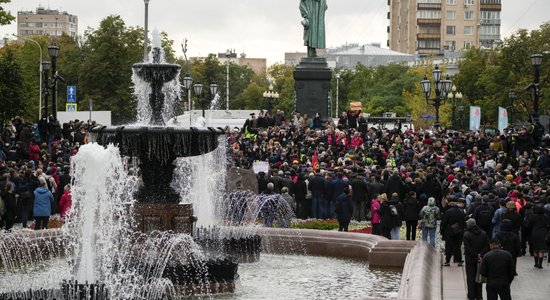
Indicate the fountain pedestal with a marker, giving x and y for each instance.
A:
(163, 217)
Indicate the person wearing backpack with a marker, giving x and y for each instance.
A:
(429, 215)
(484, 216)
(497, 217)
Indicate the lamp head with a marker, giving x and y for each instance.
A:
(53, 50)
(187, 81)
(46, 65)
(536, 59)
(426, 86)
(436, 73)
(213, 88)
(198, 89)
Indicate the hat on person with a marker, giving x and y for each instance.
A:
(450, 178)
(470, 223)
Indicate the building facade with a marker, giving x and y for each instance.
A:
(46, 22)
(433, 27)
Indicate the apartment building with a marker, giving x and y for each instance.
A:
(433, 27)
(46, 22)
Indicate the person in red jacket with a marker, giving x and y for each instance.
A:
(65, 203)
(34, 152)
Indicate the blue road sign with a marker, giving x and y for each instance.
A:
(71, 93)
(427, 117)
(73, 107)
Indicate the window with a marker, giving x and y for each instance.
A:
(429, 44)
(450, 45)
(451, 15)
(428, 14)
(451, 30)
(469, 15)
(468, 30)
(489, 30)
(490, 15)
(451, 2)
(468, 2)
(468, 44)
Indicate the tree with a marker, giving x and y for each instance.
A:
(11, 86)
(105, 74)
(283, 83)
(5, 16)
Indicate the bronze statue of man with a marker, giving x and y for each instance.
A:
(313, 14)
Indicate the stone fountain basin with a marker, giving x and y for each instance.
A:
(159, 143)
(156, 72)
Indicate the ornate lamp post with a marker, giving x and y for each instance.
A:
(456, 96)
(46, 65)
(442, 88)
(145, 32)
(187, 82)
(228, 56)
(198, 91)
(536, 61)
(337, 91)
(269, 97)
(53, 50)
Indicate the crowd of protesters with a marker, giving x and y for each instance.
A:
(462, 183)
(35, 170)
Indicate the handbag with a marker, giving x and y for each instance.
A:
(480, 278)
(369, 215)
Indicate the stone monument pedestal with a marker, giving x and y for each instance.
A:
(312, 83)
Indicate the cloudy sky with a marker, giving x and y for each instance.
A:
(261, 28)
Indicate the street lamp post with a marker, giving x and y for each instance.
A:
(53, 50)
(536, 61)
(187, 81)
(46, 65)
(228, 56)
(204, 101)
(145, 33)
(39, 71)
(442, 89)
(511, 98)
(337, 91)
(456, 95)
(269, 97)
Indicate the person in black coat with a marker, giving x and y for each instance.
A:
(411, 211)
(509, 240)
(300, 191)
(10, 206)
(476, 244)
(344, 209)
(537, 226)
(498, 266)
(359, 197)
(317, 187)
(452, 229)
(262, 182)
(395, 185)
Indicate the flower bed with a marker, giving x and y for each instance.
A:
(367, 230)
(328, 224)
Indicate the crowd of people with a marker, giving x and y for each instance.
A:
(478, 190)
(35, 170)
(481, 190)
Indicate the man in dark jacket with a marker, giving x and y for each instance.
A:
(395, 185)
(476, 244)
(483, 216)
(317, 188)
(344, 209)
(509, 240)
(452, 229)
(337, 186)
(359, 197)
(498, 266)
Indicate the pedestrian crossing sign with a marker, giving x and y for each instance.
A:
(72, 107)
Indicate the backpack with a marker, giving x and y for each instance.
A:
(484, 219)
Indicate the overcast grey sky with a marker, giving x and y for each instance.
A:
(261, 28)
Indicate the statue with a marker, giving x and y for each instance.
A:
(313, 12)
